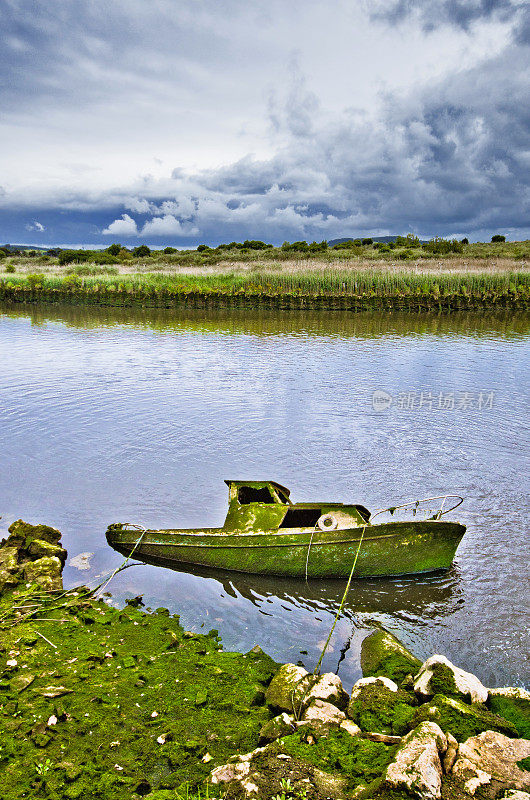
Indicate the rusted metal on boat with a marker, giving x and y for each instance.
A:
(266, 533)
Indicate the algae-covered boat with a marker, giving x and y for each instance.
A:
(265, 533)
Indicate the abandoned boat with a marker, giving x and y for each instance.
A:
(266, 533)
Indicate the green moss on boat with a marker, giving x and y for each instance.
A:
(265, 533)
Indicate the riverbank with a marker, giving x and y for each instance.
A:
(312, 286)
(123, 704)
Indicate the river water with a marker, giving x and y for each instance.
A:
(139, 415)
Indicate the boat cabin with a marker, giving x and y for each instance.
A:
(256, 506)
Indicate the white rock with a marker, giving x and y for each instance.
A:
(515, 794)
(327, 688)
(466, 684)
(492, 755)
(366, 681)
(417, 768)
(513, 692)
(230, 772)
(52, 721)
(320, 711)
(350, 727)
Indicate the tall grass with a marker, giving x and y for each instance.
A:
(263, 283)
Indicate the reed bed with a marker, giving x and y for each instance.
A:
(404, 287)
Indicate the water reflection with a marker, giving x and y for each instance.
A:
(139, 415)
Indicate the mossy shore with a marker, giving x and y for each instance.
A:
(354, 290)
(102, 703)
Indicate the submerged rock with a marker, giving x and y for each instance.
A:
(439, 676)
(383, 654)
(416, 768)
(491, 756)
(462, 719)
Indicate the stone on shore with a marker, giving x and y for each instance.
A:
(277, 727)
(323, 713)
(416, 768)
(462, 719)
(439, 676)
(288, 687)
(513, 704)
(46, 572)
(383, 654)
(489, 757)
(378, 705)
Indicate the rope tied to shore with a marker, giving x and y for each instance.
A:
(316, 671)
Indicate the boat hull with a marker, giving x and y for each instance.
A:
(394, 548)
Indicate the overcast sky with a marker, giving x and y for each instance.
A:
(188, 121)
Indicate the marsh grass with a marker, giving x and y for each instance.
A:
(306, 281)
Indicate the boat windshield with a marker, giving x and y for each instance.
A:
(250, 494)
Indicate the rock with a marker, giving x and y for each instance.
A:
(275, 728)
(22, 533)
(322, 712)
(350, 727)
(54, 691)
(333, 786)
(513, 704)
(10, 570)
(46, 572)
(383, 654)
(492, 756)
(38, 548)
(288, 686)
(461, 719)
(328, 688)
(370, 680)
(416, 768)
(230, 772)
(381, 737)
(378, 705)
(515, 794)
(21, 682)
(451, 753)
(439, 676)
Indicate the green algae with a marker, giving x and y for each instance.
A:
(124, 704)
(383, 654)
(524, 764)
(377, 708)
(442, 681)
(461, 719)
(514, 709)
(359, 760)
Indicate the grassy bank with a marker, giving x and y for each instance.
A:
(313, 286)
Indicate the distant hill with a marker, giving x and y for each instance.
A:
(23, 247)
(393, 238)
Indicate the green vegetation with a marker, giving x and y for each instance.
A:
(462, 719)
(332, 287)
(120, 702)
(377, 708)
(383, 654)
(513, 708)
(359, 760)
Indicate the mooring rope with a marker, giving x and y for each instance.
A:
(316, 671)
(99, 589)
(309, 549)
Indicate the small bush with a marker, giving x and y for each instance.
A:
(35, 280)
(465, 240)
(367, 241)
(498, 238)
(142, 251)
(10, 268)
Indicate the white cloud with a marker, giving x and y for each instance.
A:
(35, 226)
(168, 225)
(126, 226)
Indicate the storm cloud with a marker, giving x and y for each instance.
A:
(190, 125)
